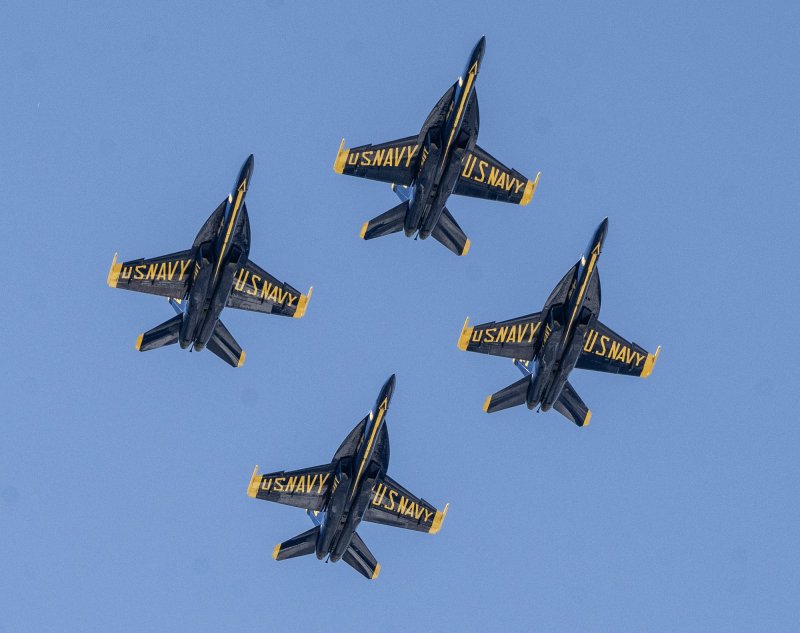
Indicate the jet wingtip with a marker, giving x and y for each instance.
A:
(276, 551)
(587, 418)
(341, 158)
(376, 572)
(363, 230)
(466, 248)
(240, 362)
(113, 272)
(255, 480)
(486, 404)
(466, 334)
(650, 363)
(530, 189)
(139, 343)
(438, 519)
(302, 304)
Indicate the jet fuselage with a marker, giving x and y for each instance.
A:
(219, 251)
(443, 148)
(564, 328)
(354, 479)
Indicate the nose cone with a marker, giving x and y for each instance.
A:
(477, 52)
(245, 173)
(387, 391)
(600, 234)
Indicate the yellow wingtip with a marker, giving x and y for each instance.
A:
(363, 230)
(376, 572)
(139, 342)
(650, 363)
(241, 359)
(466, 248)
(276, 551)
(341, 159)
(466, 334)
(486, 404)
(438, 519)
(113, 272)
(255, 482)
(530, 189)
(302, 304)
(587, 418)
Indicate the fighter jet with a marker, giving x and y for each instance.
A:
(426, 168)
(564, 335)
(353, 487)
(215, 272)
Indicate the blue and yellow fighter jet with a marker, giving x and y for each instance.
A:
(214, 273)
(566, 334)
(352, 488)
(442, 159)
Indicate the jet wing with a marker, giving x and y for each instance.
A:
(306, 488)
(167, 276)
(605, 350)
(393, 162)
(483, 176)
(515, 338)
(391, 504)
(255, 289)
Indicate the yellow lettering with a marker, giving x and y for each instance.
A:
(352, 158)
(126, 272)
(482, 169)
(603, 341)
(322, 480)
(162, 272)
(151, 271)
(392, 495)
(411, 154)
(184, 265)
(242, 280)
(266, 484)
(254, 283)
(279, 484)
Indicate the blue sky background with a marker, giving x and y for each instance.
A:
(123, 475)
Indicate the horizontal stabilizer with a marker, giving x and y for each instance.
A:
(301, 545)
(449, 234)
(570, 405)
(385, 224)
(164, 334)
(225, 346)
(361, 559)
(512, 396)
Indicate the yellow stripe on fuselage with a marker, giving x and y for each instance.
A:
(239, 195)
(470, 78)
(589, 268)
(378, 420)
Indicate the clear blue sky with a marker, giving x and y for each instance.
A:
(123, 475)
